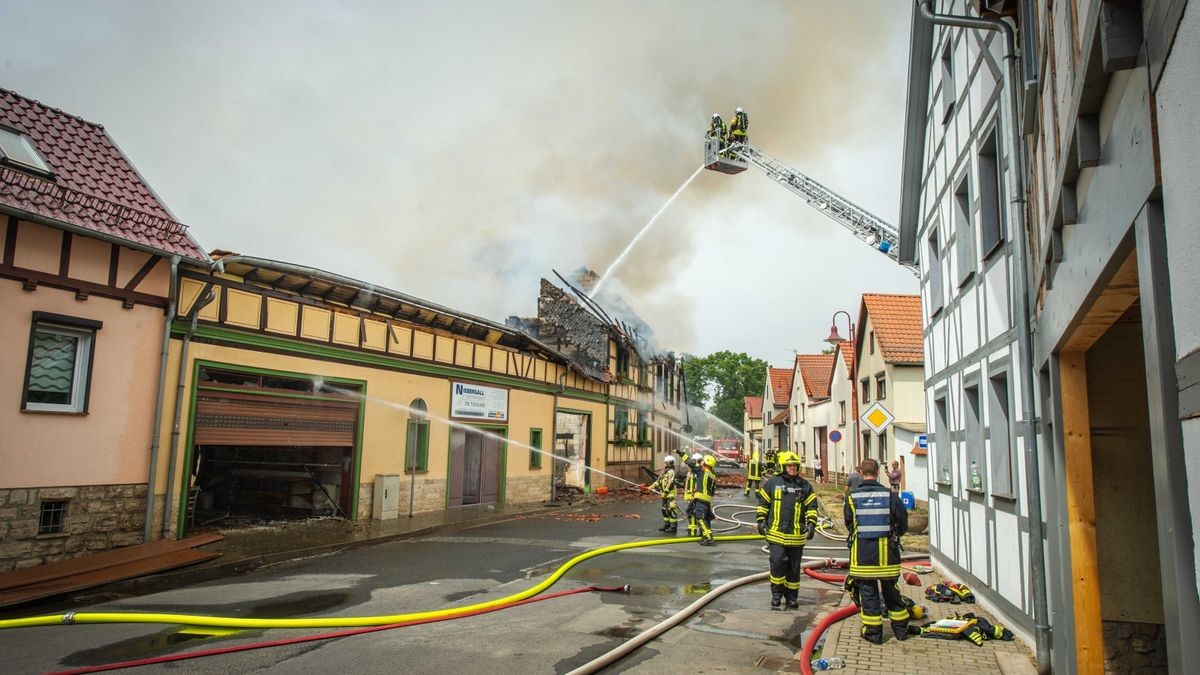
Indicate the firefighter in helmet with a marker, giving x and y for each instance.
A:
(665, 485)
(689, 492)
(716, 129)
(739, 128)
(876, 519)
(787, 517)
(753, 472)
(706, 487)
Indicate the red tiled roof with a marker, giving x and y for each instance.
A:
(782, 417)
(896, 320)
(94, 186)
(753, 406)
(919, 451)
(815, 370)
(843, 348)
(781, 385)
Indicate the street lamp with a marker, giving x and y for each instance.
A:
(835, 339)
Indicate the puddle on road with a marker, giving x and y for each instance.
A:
(153, 645)
(308, 604)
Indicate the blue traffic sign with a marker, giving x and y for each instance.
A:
(835, 435)
(923, 442)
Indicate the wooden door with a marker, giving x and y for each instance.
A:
(458, 446)
(489, 483)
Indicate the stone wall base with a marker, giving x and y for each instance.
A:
(1131, 647)
(97, 518)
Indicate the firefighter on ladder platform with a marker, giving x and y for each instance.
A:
(716, 130)
(876, 519)
(665, 485)
(739, 128)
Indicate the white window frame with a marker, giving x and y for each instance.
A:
(85, 333)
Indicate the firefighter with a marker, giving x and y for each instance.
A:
(689, 492)
(716, 129)
(753, 472)
(787, 517)
(876, 519)
(706, 487)
(739, 128)
(665, 485)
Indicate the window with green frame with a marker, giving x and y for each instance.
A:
(620, 422)
(416, 445)
(643, 432)
(535, 440)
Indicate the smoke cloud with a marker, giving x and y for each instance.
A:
(459, 151)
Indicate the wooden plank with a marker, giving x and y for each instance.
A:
(107, 575)
(97, 561)
(1081, 513)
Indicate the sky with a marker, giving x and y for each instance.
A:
(459, 151)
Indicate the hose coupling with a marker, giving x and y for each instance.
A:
(68, 618)
(625, 588)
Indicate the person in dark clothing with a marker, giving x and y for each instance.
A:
(787, 517)
(876, 519)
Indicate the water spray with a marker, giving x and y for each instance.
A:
(646, 228)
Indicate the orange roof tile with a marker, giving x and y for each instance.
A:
(781, 417)
(897, 323)
(753, 406)
(815, 370)
(781, 385)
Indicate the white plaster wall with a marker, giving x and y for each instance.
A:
(1178, 100)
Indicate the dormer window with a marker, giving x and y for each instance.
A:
(17, 151)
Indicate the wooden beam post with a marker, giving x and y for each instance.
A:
(1081, 512)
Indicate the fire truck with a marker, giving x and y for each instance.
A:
(730, 448)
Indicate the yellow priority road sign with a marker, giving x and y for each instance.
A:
(877, 418)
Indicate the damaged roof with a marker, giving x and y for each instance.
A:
(91, 185)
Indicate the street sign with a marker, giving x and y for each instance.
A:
(835, 436)
(877, 418)
(923, 441)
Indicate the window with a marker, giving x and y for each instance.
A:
(58, 371)
(643, 433)
(866, 444)
(1000, 427)
(935, 272)
(16, 150)
(941, 442)
(622, 361)
(948, 87)
(964, 236)
(416, 445)
(620, 423)
(880, 387)
(535, 441)
(52, 515)
(883, 458)
(803, 409)
(990, 189)
(974, 440)
(864, 386)
(842, 412)
(871, 341)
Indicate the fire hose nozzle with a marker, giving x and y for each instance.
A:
(625, 588)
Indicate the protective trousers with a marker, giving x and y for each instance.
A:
(670, 512)
(751, 486)
(704, 518)
(785, 570)
(871, 611)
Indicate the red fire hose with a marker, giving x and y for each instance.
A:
(811, 643)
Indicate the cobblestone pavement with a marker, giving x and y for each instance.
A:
(926, 655)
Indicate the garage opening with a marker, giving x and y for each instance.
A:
(269, 447)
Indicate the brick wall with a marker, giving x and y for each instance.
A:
(1131, 647)
(97, 518)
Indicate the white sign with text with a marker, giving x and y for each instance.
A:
(477, 402)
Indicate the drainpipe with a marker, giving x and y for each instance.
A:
(1033, 478)
(172, 300)
(206, 297)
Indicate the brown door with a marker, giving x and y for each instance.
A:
(489, 484)
(474, 467)
(823, 444)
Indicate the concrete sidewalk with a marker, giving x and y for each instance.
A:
(926, 655)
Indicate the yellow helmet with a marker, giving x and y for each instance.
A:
(788, 457)
(710, 461)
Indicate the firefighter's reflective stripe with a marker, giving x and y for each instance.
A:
(754, 469)
(689, 488)
(706, 487)
(785, 507)
(871, 513)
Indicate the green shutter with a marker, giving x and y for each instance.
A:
(535, 440)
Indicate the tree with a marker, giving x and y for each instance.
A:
(726, 378)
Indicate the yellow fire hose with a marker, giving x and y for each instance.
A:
(338, 622)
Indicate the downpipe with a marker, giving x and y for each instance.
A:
(1033, 480)
(155, 430)
(180, 389)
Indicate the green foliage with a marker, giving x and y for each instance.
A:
(728, 377)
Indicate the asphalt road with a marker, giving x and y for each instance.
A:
(461, 568)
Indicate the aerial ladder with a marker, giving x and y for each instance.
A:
(736, 157)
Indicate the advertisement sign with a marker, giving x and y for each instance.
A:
(477, 402)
